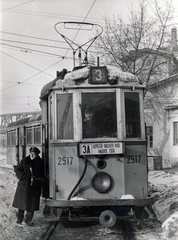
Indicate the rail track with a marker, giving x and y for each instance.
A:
(57, 230)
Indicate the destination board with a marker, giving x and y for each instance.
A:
(101, 148)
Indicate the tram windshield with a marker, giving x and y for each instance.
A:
(65, 116)
(99, 115)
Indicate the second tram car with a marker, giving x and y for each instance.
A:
(21, 136)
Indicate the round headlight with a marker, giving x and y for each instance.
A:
(101, 164)
(102, 182)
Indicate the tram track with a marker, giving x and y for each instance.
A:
(50, 230)
(123, 230)
(127, 230)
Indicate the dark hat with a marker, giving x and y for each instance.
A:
(88, 109)
(35, 149)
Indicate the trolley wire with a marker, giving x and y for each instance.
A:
(26, 64)
(7, 9)
(81, 25)
(40, 38)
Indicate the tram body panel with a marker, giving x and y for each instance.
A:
(114, 168)
(135, 172)
(64, 169)
(11, 155)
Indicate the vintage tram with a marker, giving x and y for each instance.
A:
(94, 144)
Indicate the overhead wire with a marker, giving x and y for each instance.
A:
(40, 38)
(52, 54)
(7, 9)
(52, 15)
(25, 63)
(81, 25)
(33, 75)
(35, 44)
(43, 52)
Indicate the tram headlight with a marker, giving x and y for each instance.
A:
(102, 182)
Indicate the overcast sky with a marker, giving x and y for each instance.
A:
(29, 25)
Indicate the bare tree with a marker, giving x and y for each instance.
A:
(140, 45)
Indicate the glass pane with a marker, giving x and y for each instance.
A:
(29, 136)
(50, 120)
(132, 115)
(8, 138)
(99, 115)
(65, 116)
(37, 135)
(11, 138)
(175, 133)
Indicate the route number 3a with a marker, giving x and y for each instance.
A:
(133, 159)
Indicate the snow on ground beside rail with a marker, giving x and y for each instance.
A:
(164, 186)
(8, 183)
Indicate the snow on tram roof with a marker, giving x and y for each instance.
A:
(113, 73)
(81, 77)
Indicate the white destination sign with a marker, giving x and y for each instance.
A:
(101, 148)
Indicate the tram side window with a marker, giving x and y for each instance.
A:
(51, 122)
(132, 115)
(65, 116)
(29, 136)
(37, 135)
(11, 138)
(99, 115)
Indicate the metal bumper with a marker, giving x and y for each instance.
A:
(99, 202)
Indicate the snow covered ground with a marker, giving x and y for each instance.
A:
(164, 186)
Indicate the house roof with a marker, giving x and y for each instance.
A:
(164, 81)
(171, 107)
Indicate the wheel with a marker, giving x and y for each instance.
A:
(107, 218)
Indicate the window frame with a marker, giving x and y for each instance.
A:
(148, 136)
(101, 90)
(141, 108)
(11, 135)
(32, 127)
(53, 110)
(175, 133)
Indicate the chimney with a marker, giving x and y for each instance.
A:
(174, 37)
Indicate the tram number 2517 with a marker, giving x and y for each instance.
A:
(133, 159)
(65, 160)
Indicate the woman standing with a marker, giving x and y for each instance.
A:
(30, 173)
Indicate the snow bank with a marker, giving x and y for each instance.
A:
(166, 205)
(7, 212)
(170, 227)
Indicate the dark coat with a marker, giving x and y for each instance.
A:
(28, 192)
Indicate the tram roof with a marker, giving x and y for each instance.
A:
(79, 78)
(19, 122)
(23, 121)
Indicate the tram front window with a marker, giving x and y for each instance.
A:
(65, 116)
(99, 115)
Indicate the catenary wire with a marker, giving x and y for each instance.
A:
(25, 63)
(33, 75)
(9, 45)
(7, 9)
